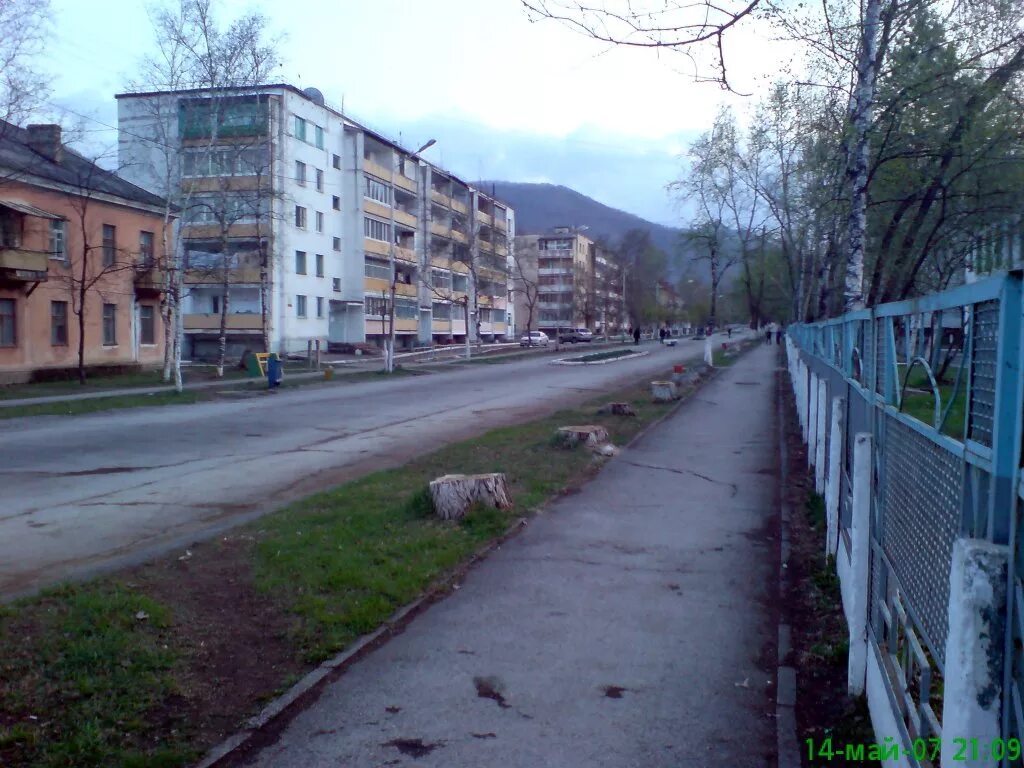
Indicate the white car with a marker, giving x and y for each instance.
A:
(534, 339)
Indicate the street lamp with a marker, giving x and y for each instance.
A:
(428, 145)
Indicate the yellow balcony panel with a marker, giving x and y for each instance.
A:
(444, 262)
(374, 208)
(405, 254)
(500, 328)
(441, 326)
(374, 169)
(484, 301)
(22, 265)
(212, 231)
(458, 326)
(402, 217)
(460, 267)
(500, 249)
(459, 237)
(440, 229)
(484, 218)
(239, 276)
(500, 224)
(458, 205)
(376, 285)
(378, 327)
(409, 185)
(440, 197)
(211, 322)
(219, 183)
(403, 289)
(378, 247)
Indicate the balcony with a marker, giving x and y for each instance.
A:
(378, 247)
(440, 229)
(235, 322)
(151, 279)
(440, 197)
(555, 271)
(501, 224)
(406, 183)
(246, 275)
(500, 249)
(459, 237)
(484, 218)
(19, 265)
(374, 208)
(404, 289)
(402, 217)
(372, 168)
(459, 205)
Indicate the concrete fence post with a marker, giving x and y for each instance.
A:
(812, 420)
(974, 647)
(820, 429)
(802, 399)
(833, 478)
(856, 606)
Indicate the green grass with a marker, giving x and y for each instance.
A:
(96, 405)
(98, 651)
(921, 405)
(100, 681)
(609, 355)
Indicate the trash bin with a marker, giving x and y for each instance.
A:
(275, 371)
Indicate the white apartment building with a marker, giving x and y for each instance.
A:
(308, 217)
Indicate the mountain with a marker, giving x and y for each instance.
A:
(539, 207)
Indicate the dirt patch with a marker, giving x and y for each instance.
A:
(613, 691)
(233, 640)
(819, 633)
(413, 747)
(490, 688)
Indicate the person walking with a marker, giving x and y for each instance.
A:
(778, 335)
(636, 335)
(661, 335)
(768, 329)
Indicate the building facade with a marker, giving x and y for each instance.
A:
(578, 283)
(76, 243)
(300, 220)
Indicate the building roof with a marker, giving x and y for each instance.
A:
(69, 169)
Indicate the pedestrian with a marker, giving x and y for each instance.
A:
(728, 332)
(636, 335)
(778, 335)
(768, 333)
(661, 335)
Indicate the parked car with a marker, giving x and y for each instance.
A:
(575, 334)
(535, 338)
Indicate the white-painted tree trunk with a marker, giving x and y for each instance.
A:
(453, 495)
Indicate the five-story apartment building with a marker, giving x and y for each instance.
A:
(299, 223)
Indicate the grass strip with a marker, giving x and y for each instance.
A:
(609, 355)
(154, 665)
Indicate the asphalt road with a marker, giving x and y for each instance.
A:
(629, 626)
(88, 493)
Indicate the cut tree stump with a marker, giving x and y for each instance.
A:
(617, 409)
(453, 495)
(591, 435)
(664, 391)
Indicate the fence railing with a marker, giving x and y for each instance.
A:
(913, 413)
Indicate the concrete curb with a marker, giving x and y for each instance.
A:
(787, 746)
(279, 711)
(620, 358)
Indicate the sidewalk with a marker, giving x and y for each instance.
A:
(629, 625)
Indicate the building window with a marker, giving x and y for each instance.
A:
(336, 203)
(319, 133)
(375, 305)
(460, 283)
(109, 245)
(147, 324)
(300, 172)
(319, 265)
(336, 162)
(300, 217)
(300, 262)
(319, 180)
(59, 323)
(377, 268)
(441, 311)
(58, 242)
(336, 284)
(319, 221)
(215, 305)
(8, 325)
(300, 305)
(319, 306)
(376, 229)
(377, 191)
(300, 128)
(109, 325)
(336, 243)
(227, 161)
(146, 248)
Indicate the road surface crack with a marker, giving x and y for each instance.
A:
(735, 488)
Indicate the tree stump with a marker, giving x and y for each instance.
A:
(590, 435)
(664, 391)
(453, 495)
(617, 409)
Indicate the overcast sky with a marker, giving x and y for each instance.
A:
(504, 98)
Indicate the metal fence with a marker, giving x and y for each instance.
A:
(937, 382)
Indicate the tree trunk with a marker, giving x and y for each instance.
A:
(222, 341)
(454, 495)
(590, 435)
(465, 312)
(860, 117)
(179, 331)
(264, 292)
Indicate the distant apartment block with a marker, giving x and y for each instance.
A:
(579, 283)
(74, 239)
(301, 219)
